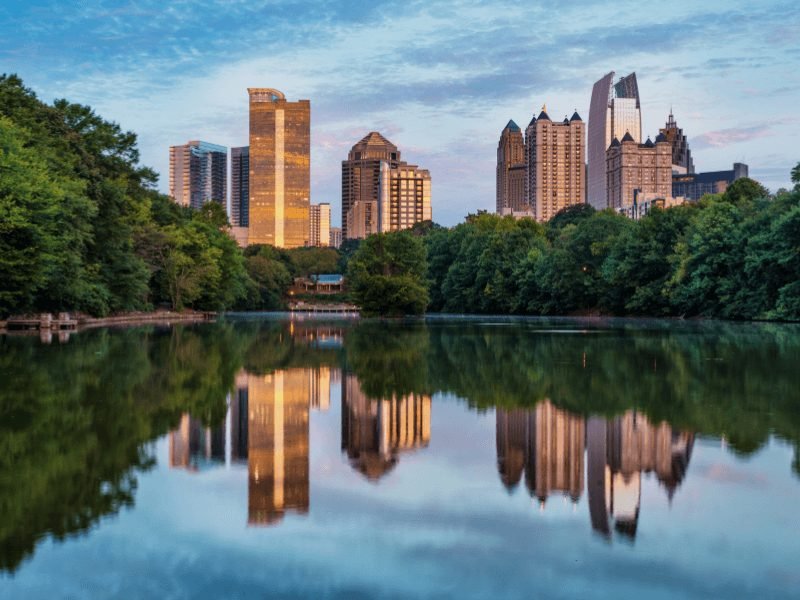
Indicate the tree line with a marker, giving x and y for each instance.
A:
(734, 255)
(82, 227)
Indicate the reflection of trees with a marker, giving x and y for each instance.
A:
(731, 380)
(75, 419)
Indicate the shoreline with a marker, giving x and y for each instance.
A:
(79, 323)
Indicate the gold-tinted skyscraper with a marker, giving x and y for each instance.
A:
(280, 169)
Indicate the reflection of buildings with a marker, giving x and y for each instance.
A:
(320, 384)
(545, 442)
(277, 445)
(267, 426)
(619, 450)
(374, 432)
(193, 446)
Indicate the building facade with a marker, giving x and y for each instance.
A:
(615, 110)
(198, 172)
(381, 193)
(555, 156)
(240, 187)
(636, 170)
(361, 183)
(280, 169)
(511, 170)
(319, 224)
(336, 237)
(694, 186)
(681, 155)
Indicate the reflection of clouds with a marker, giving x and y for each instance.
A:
(729, 474)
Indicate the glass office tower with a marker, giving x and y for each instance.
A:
(280, 169)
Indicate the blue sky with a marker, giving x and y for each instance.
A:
(439, 79)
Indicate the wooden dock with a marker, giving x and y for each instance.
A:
(42, 322)
(323, 308)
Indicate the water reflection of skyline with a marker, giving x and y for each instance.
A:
(552, 450)
(548, 444)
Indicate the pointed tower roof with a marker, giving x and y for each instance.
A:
(566, 120)
(512, 126)
(543, 114)
(533, 120)
(661, 138)
(373, 138)
(628, 137)
(575, 116)
(615, 143)
(649, 143)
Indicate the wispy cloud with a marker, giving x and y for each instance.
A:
(440, 78)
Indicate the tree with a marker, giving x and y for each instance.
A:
(386, 275)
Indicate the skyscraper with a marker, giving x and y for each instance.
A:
(197, 173)
(280, 169)
(614, 111)
(319, 225)
(381, 193)
(240, 186)
(361, 179)
(511, 170)
(554, 163)
(681, 155)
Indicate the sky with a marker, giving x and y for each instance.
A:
(440, 79)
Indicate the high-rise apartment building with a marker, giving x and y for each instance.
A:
(511, 170)
(197, 173)
(319, 224)
(615, 110)
(381, 193)
(280, 169)
(681, 155)
(638, 172)
(240, 187)
(555, 164)
(336, 237)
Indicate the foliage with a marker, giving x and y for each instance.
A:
(386, 275)
(83, 228)
(734, 255)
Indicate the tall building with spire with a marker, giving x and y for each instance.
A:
(555, 155)
(280, 169)
(615, 110)
(681, 155)
(511, 170)
(381, 193)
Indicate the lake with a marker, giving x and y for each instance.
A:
(270, 456)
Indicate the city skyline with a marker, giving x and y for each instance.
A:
(722, 82)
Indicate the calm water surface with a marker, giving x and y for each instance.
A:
(269, 457)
